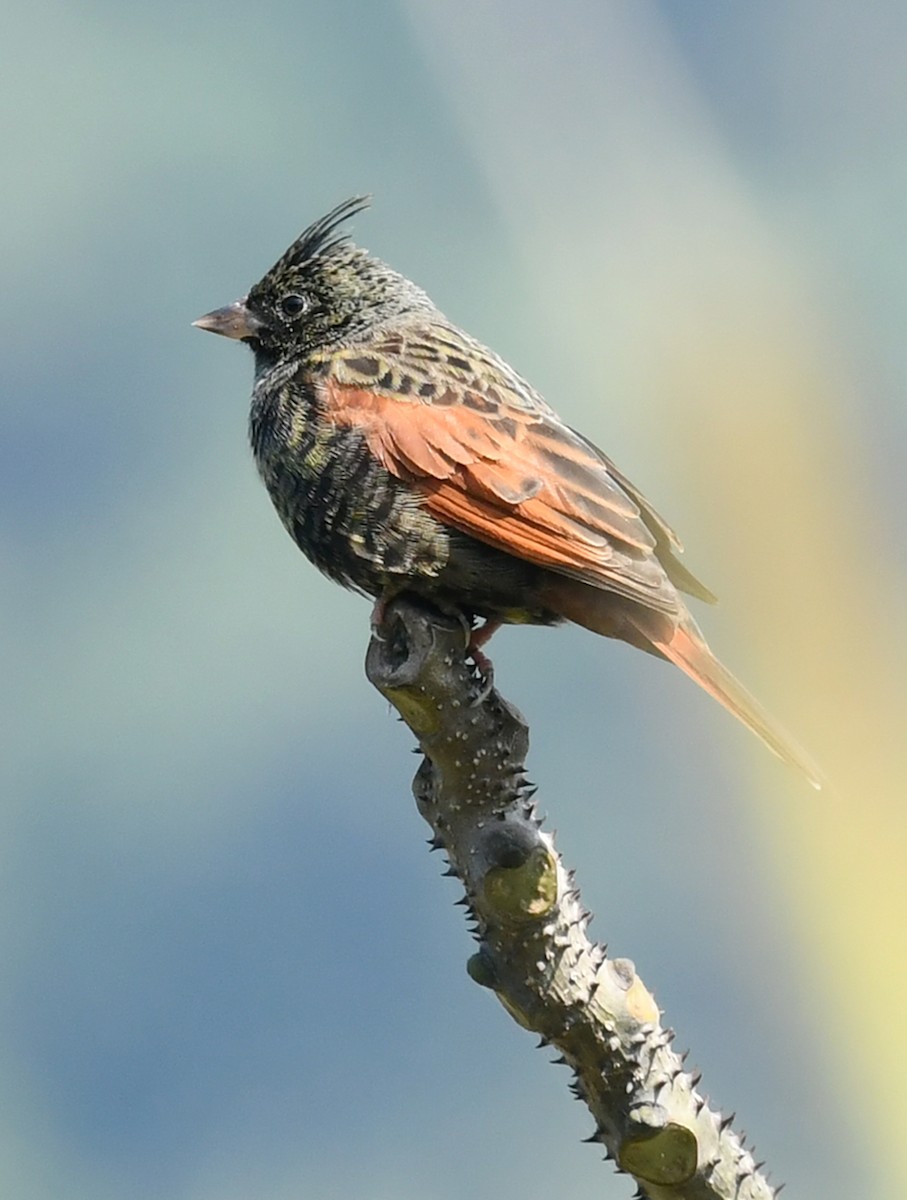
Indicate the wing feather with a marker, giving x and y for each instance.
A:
(493, 460)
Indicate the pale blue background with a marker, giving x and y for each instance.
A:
(229, 967)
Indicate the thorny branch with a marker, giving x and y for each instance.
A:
(530, 923)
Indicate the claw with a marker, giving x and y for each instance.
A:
(485, 667)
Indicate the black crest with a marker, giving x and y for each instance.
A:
(321, 237)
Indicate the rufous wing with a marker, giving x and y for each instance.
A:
(513, 476)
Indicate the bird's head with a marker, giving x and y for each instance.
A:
(322, 292)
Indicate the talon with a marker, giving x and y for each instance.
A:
(485, 668)
(467, 625)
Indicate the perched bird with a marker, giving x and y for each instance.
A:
(403, 455)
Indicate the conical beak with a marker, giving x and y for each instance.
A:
(234, 321)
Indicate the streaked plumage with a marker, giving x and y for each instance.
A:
(402, 455)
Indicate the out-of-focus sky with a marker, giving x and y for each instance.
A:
(229, 967)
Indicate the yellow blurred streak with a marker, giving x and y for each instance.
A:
(649, 253)
(800, 536)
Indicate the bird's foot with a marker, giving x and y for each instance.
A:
(484, 666)
(475, 640)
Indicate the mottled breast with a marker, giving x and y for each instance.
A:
(349, 516)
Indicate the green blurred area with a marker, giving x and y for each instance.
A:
(230, 969)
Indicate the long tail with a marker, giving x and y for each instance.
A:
(687, 648)
(682, 643)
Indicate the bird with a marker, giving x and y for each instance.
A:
(404, 456)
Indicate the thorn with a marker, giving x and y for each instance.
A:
(725, 1122)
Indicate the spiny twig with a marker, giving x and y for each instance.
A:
(528, 918)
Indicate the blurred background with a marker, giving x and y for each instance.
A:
(230, 968)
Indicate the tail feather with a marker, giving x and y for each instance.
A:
(679, 640)
(688, 650)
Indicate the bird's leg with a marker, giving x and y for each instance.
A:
(379, 612)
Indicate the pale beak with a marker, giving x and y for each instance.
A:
(234, 321)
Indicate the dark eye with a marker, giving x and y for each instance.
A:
(294, 304)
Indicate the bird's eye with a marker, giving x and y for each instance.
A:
(293, 304)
